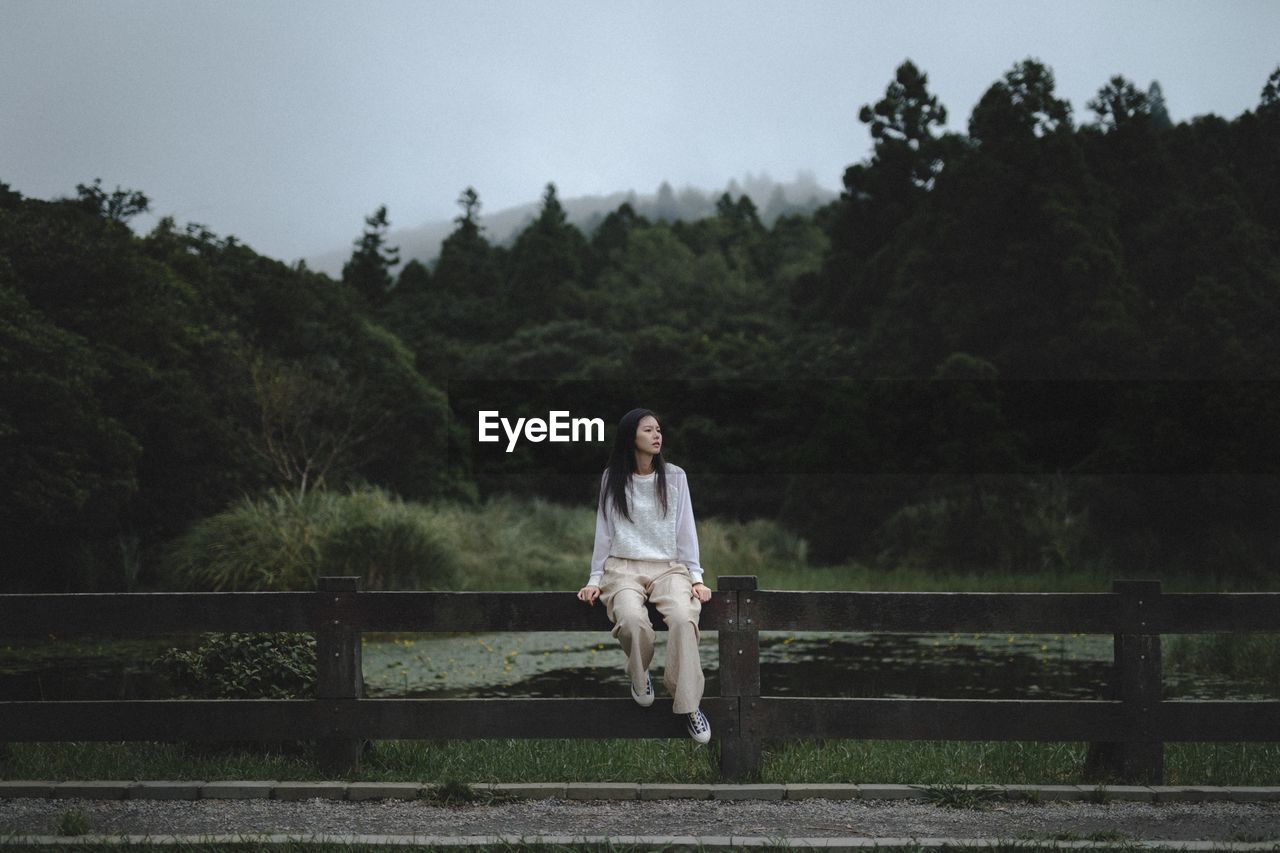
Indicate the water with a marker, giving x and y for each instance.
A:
(945, 666)
(578, 664)
(86, 667)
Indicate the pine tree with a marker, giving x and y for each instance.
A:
(369, 270)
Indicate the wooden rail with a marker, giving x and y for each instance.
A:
(1126, 729)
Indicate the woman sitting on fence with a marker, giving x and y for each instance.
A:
(647, 550)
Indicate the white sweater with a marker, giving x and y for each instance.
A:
(649, 535)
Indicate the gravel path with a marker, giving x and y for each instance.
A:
(1217, 821)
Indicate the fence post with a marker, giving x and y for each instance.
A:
(740, 678)
(1137, 683)
(339, 670)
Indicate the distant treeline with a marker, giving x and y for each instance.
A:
(147, 382)
(801, 196)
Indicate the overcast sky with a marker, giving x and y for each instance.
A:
(285, 123)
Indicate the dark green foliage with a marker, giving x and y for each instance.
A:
(146, 363)
(120, 206)
(547, 267)
(369, 270)
(158, 376)
(245, 666)
(1119, 104)
(286, 542)
(1020, 106)
(129, 362)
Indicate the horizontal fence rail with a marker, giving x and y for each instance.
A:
(424, 719)
(1126, 729)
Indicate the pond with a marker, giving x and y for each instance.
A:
(586, 664)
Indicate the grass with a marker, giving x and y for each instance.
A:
(936, 763)
(956, 796)
(478, 546)
(552, 544)
(73, 822)
(278, 542)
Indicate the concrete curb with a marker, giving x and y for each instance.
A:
(271, 789)
(165, 790)
(98, 790)
(383, 791)
(238, 790)
(701, 842)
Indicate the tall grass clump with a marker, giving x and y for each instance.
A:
(518, 543)
(529, 543)
(759, 547)
(283, 541)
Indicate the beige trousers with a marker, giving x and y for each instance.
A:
(624, 589)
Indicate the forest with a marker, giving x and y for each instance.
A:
(1045, 339)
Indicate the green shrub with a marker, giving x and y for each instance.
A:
(990, 523)
(388, 543)
(245, 666)
(283, 542)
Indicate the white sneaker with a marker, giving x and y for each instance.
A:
(699, 728)
(645, 699)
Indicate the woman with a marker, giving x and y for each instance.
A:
(647, 550)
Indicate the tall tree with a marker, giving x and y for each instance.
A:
(1119, 104)
(547, 265)
(468, 276)
(369, 270)
(1270, 99)
(1020, 105)
(879, 195)
(120, 206)
(902, 124)
(469, 222)
(612, 234)
(1159, 110)
(311, 422)
(666, 208)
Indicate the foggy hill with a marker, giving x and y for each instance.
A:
(772, 199)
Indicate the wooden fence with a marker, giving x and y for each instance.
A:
(1126, 730)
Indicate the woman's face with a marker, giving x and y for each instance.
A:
(649, 435)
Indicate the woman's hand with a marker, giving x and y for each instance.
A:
(702, 592)
(589, 594)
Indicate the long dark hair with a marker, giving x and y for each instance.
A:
(622, 464)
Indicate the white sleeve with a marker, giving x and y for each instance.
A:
(604, 537)
(687, 533)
